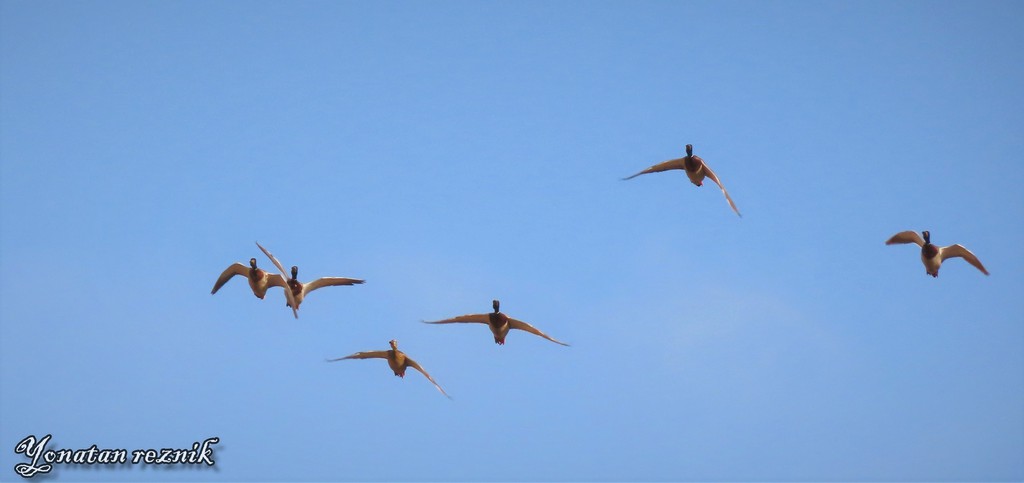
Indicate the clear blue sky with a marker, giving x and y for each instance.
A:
(451, 153)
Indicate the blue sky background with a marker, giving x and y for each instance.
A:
(451, 153)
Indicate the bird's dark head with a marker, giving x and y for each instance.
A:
(252, 262)
(689, 150)
(295, 272)
(927, 236)
(496, 305)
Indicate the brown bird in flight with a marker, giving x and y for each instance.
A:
(931, 255)
(300, 290)
(696, 169)
(259, 280)
(499, 323)
(397, 360)
(288, 296)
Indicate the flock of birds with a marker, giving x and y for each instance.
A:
(260, 281)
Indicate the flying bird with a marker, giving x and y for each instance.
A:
(931, 255)
(288, 295)
(397, 360)
(696, 169)
(300, 290)
(499, 323)
(259, 280)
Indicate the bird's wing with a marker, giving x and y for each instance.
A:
(657, 168)
(329, 281)
(234, 269)
(276, 280)
(287, 291)
(711, 174)
(959, 251)
(906, 237)
(519, 324)
(477, 318)
(363, 355)
(411, 363)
